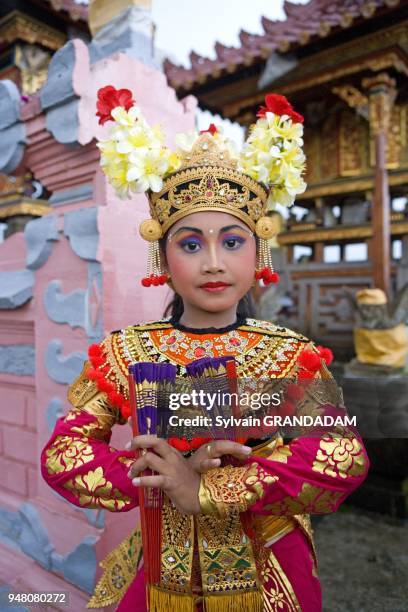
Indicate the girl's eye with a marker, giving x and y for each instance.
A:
(190, 245)
(233, 242)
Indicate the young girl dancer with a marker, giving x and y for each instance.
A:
(235, 536)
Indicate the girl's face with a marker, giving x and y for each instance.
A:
(211, 257)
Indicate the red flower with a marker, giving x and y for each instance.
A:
(279, 105)
(109, 98)
(211, 130)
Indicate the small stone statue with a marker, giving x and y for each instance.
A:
(380, 333)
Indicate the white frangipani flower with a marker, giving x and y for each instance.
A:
(185, 140)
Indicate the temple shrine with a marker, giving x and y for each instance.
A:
(30, 33)
(344, 65)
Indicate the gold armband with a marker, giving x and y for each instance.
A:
(232, 489)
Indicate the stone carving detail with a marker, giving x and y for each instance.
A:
(59, 97)
(128, 32)
(70, 308)
(53, 412)
(73, 194)
(81, 228)
(17, 359)
(80, 308)
(12, 130)
(79, 566)
(26, 530)
(39, 235)
(16, 288)
(63, 370)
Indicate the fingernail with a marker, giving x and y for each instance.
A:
(136, 482)
(127, 445)
(246, 450)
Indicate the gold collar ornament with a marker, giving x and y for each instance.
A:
(205, 172)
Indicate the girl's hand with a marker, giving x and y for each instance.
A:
(208, 455)
(175, 476)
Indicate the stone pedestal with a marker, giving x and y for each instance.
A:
(380, 404)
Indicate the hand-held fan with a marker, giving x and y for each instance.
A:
(149, 387)
(217, 376)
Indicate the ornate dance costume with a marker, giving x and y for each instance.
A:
(251, 547)
(280, 485)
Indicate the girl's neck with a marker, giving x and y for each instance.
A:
(201, 319)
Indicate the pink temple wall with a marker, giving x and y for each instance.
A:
(119, 302)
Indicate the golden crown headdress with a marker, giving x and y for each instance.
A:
(205, 172)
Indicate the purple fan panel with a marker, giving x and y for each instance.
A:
(157, 376)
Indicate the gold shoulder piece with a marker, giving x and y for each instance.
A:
(152, 325)
(270, 329)
(82, 389)
(120, 567)
(305, 525)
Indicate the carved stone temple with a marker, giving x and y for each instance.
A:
(70, 265)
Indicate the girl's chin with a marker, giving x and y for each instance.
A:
(215, 303)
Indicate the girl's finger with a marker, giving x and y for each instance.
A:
(158, 445)
(218, 448)
(143, 441)
(208, 464)
(149, 460)
(159, 481)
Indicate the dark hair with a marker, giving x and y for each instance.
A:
(246, 307)
(175, 308)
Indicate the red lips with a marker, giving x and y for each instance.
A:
(214, 285)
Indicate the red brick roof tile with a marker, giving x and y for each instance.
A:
(303, 23)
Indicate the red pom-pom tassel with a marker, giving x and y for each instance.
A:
(93, 374)
(97, 361)
(125, 410)
(273, 277)
(305, 376)
(90, 374)
(309, 360)
(294, 392)
(94, 350)
(326, 354)
(105, 385)
(115, 398)
(287, 408)
(267, 275)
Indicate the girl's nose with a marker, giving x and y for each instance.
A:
(213, 262)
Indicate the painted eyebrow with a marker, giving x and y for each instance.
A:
(188, 229)
(198, 231)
